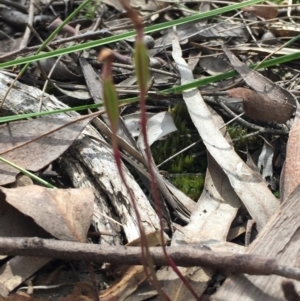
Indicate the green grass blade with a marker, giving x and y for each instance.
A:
(27, 173)
(178, 89)
(129, 34)
(44, 113)
(215, 78)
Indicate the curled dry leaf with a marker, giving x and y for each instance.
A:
(270, 103)
(261, 107)
(33, 144)
(263, 11)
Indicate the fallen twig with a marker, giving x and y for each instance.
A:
(181, 255)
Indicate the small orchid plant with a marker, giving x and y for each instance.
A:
(141, 62)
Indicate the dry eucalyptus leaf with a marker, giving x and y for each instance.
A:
(33, 144)
(93, 81)
(271, 103)
(211, 219)
(214, 64)
(265, 162)
(158, 126)
(290, 175)
(252, 191)
(194, 56)
(141, 5)
(64, 213)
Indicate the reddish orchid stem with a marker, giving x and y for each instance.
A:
(111, 103)
(156, 195)
(138, 24)
(144, 242)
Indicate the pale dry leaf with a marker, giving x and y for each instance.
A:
(133, 122)
(252, 191)
(280, 240)
(144, 6)
(194, 56)
(265, 162)
(140, 5)
(64, 213)
(33, 144)
(210, 220)
(93, 81)
(158, 126)
(236, 232)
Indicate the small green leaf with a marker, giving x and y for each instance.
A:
(141, 61)
(111, 102)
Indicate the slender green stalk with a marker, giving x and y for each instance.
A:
(45, 113)
(27, 173)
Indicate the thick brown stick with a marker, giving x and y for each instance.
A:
(182, 255)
